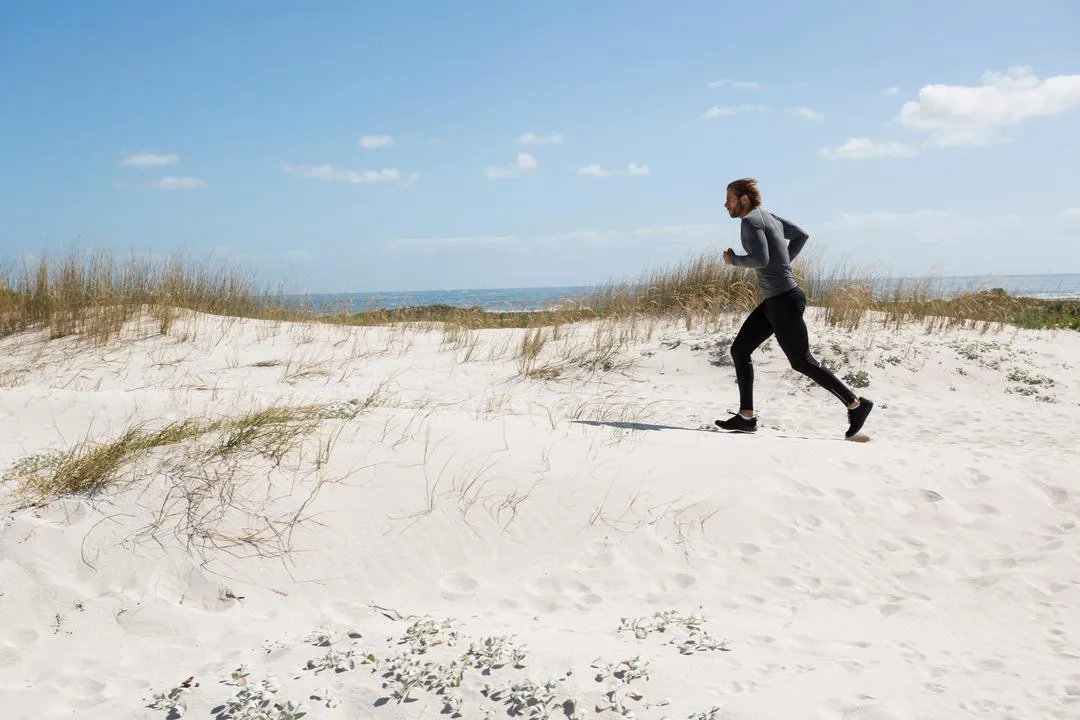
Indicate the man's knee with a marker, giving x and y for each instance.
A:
(740, 354)
(803, 363)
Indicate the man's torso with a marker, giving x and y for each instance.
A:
(776, 277)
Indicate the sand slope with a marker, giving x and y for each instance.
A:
(933, 572)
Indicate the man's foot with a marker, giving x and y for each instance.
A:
(738, 423)
(857, 416)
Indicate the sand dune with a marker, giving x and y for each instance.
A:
(547, 546)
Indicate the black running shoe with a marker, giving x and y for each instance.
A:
(857, 417)
(738, 423)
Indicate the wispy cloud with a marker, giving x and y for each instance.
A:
(981, 114)
(524, 163)
(736, 84)
(865, 149)
(805, 113)
(171, 182)
(594, 170)
(889, 91)
(531, 138)
(332, 174)
(717, 111)
(149, 159)
(371, 142)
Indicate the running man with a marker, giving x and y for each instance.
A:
(781, 311)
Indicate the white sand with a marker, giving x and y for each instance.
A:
(931, 573)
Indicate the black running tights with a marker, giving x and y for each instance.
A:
(783, 315)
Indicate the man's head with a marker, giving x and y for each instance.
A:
(742, 197)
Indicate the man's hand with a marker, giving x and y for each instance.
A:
(728, 254)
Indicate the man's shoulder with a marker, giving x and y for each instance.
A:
(758, 217)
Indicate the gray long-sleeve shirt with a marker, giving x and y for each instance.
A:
(763, 235)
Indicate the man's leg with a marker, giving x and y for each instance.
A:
(786, 315)
(755, 330)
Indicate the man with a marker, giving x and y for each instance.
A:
(781, 310)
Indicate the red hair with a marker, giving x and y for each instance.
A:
(748, 187)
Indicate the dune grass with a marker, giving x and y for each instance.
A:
(93, 295)
(90, 467)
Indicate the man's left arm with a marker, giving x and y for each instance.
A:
(795, 236)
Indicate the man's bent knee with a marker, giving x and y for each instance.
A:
(803, 364)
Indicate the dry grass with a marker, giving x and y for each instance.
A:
(91, 467)
(94, 295)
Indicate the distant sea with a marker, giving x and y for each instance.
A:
(1060, 286)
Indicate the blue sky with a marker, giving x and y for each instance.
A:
(427, 145)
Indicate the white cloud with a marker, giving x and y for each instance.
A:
(890, 91)
(594, 170)
(524, 163)
(864, 149)
(330, 173)
(170, 182)
(977, 115)
(371, 142)
(298, 256)
(149, 159)
(727, 111)
(531, 138)
(806, 113)
(736, 84)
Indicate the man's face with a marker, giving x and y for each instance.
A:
(732, 204)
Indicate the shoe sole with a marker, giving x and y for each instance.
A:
(738, 430)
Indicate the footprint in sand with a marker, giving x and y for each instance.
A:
(1057, 495)
(976, 478)
(891, 607)
(547, 594)
(585, 595)
(852, 667)
(683, 581)
(748, 550)
(457, 586)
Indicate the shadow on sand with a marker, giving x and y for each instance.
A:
(635, 426)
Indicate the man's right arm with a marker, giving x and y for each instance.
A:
(795, 236)
(757, 245)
